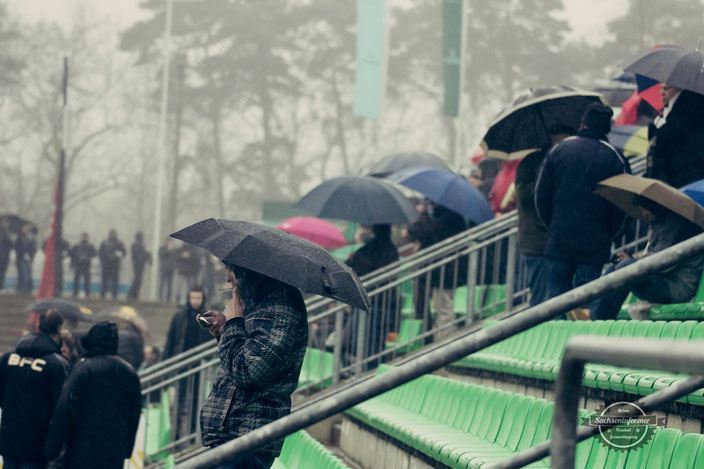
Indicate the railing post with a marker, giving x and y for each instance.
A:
(472, 286)
(337, 350)
(511, 271)
(361, 339)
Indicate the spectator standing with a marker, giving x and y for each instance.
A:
(532, 235)
(98, 412)
(676, 152)
(112, 250)
(375, 254)
(81, 256)
(6, 245)
(68, 348)
(263, 335)
(166, 269)
(140, 258)
(31, 378)
(187, 265)
(441, 224)
(580, 225)
(25, 249)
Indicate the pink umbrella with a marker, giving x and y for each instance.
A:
(315, 230)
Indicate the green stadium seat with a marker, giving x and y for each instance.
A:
(409, 329)
(301, 451)
(317, 367)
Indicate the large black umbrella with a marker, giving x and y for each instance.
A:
(70, 310)
(362, 199)
(525, 125)
(278, 255)
(16, 222)
(676, 66)
(399, 161)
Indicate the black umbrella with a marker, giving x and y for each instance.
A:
(676, 66)
(16, 222)
(399, 161)
(524, 126)
(68, 309)
(278, 255)
(366, 200)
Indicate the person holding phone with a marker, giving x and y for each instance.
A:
(262, 333)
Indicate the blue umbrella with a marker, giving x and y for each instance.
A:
(447, 189)
(695, 191)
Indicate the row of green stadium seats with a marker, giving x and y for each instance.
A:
(488, 299)
(536, 353)
(680, 311)
(465, 425)
(302, 451)
(317, 368)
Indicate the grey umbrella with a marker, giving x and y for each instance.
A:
(676, 66)
(278, 255)
(366, 200)
(399, 161)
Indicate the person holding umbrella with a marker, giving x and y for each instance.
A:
(580, 225)
(263, 330)
(669, 213)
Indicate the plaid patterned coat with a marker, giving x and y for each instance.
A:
(261, 357)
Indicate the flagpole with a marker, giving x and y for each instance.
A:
(161, 161)
(58, 238)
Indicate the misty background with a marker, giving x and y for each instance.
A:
(261, 94)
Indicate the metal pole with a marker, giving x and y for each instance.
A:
(511, 270)
(361, 338)
(337, 350)
(161, 159)
(671, 355)
(448, 354)
(470, 317)
(647, 403)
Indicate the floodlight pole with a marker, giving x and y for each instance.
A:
(161, 155)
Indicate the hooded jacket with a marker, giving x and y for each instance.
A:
(184, 331)
(30, 383)
(581, 225)
(98, 411)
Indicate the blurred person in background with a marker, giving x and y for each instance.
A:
(31, 379)
(112, 250)
(25, 249)
(81, 256)
(68, 348)
(187, 266)
(6, 245)
(140, 258)
(166, 269)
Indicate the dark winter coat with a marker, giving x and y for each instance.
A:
(31, 378)
(532, 235)
(374, 255)
(676, 154)
(140, 256)
(431, 230)
(187, 261)
(81, 255)
(131, 346)
(97, 415)
(25, 246)
(109, 250)
(5, 243)
(167, 258)
(581, 225)
(184, 331)
(261, 357)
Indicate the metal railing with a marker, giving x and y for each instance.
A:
(448, 354)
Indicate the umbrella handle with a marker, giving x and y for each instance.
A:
(327, 280)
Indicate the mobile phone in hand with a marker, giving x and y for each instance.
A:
(204, 322)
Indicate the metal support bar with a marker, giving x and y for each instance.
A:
(448, 354)
(674, 356)
(511, 269)
(470, 317)
(337, 351)
(647, 403)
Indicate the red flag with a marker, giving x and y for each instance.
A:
(46, 284)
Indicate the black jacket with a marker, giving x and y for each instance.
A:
(131, 346)
(81, 255)
(25, 247)
(430, 230)
(374, 255)
(30, 383)
(532, 235)
(184, 331)
(140, 256)
(97, 415)
(6, 243)
(676, 154)
(109, 250)
(581, 225)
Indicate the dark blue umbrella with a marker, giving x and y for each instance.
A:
(447, 189)
(695, 191)
(400, 161)
(366, 200)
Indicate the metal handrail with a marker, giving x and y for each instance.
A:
(448, 354)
